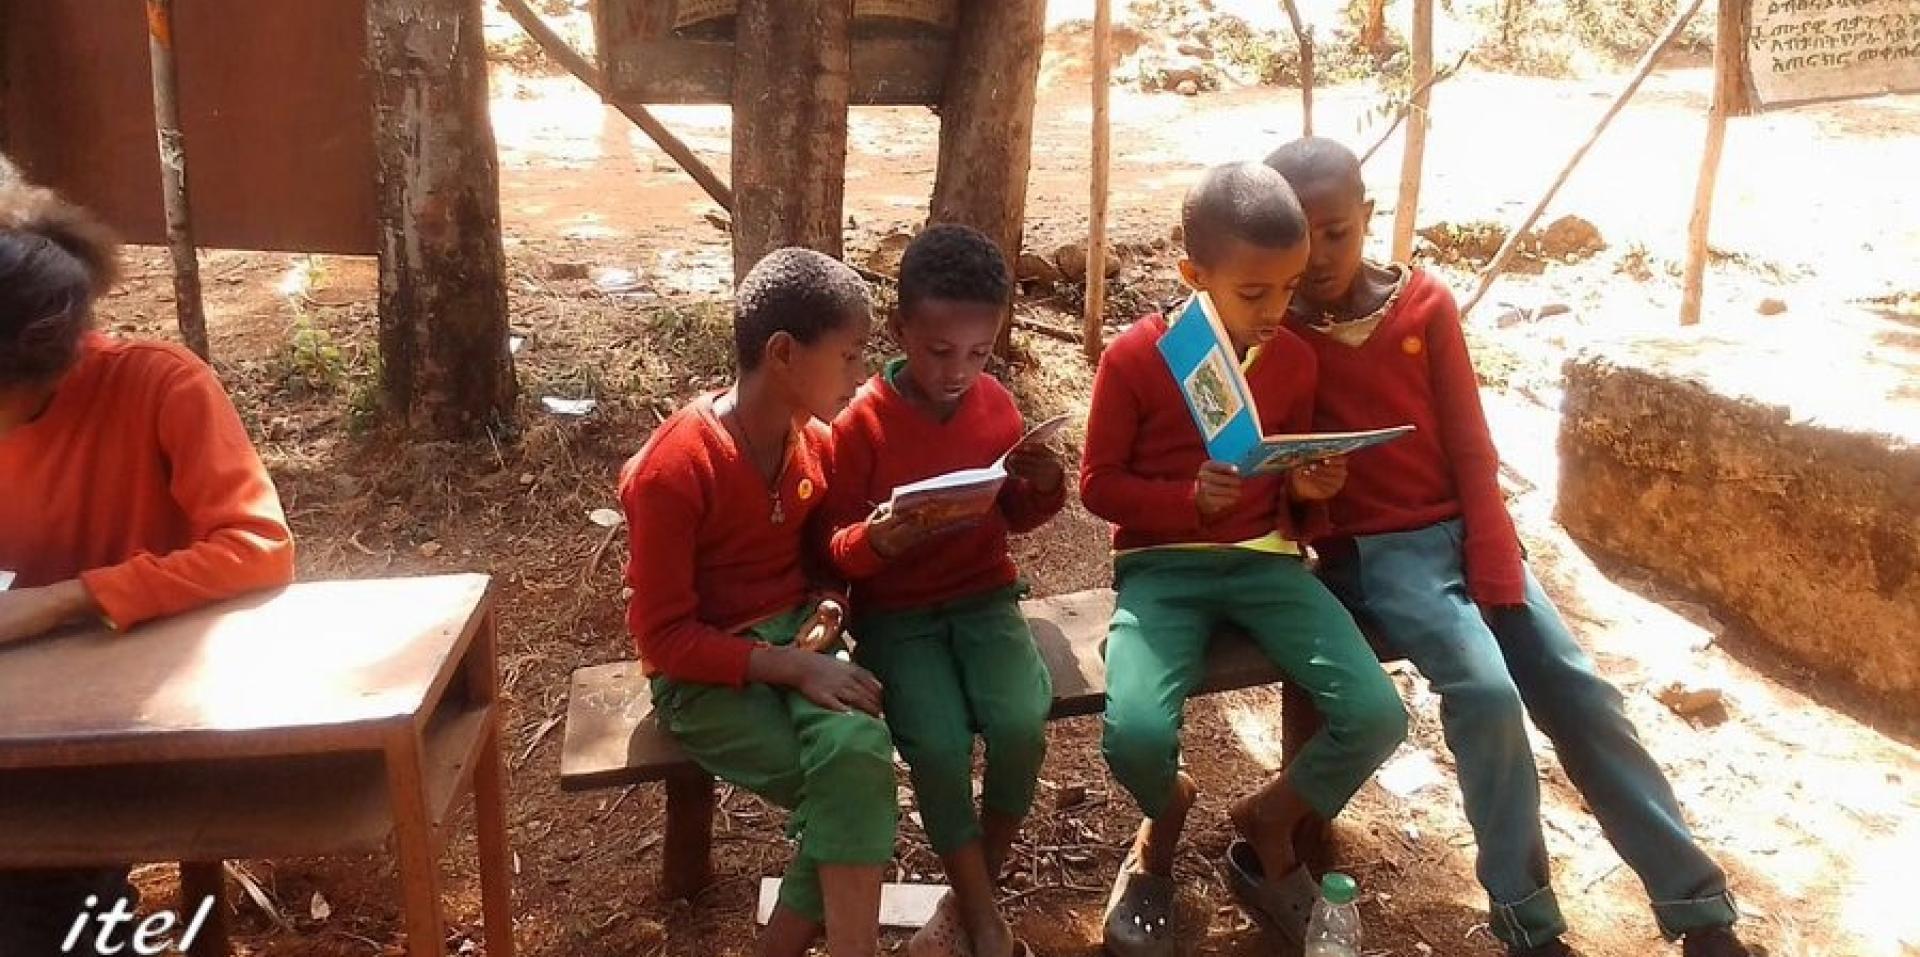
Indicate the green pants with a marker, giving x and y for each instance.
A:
(950, 671)
(833, 771)
(1171, 601)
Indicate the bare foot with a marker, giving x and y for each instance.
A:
(1159, 837)
(1267, 819)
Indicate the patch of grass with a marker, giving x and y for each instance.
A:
(311, 362)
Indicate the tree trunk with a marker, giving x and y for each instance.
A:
(1373, 33)
(986, 124)
(1406, 211)
(445, 367)
(792, 75)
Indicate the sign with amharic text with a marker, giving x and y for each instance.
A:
(1802, 51)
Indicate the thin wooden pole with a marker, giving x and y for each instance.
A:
(587, 73)
(1728, 99)
(1092, 331)
(1304, 37)
(1640, 73)
(173, 178)
(1407, 206)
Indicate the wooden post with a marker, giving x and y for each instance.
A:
(986, 125)
(201, 881)
(173, 178)
(1519, 230)
(584, 71)
(1373, 32)
(792, 76)
(445, 367)
(1407, 205)
(1731, 97)
(1304, 37)
(1093, 325)
(686, 854)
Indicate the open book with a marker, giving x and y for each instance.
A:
(1202, 359)
(966, 495)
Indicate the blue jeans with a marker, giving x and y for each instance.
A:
(1493, 670)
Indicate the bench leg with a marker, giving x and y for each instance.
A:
(1300, 721)
(686, 859)
(200, 881)
(490, 820)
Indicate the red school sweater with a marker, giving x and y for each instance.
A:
(1414, 368)
(1143, 450)
(706, 560)
(139, 480)
(882, 441)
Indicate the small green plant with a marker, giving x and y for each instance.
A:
(311, 362)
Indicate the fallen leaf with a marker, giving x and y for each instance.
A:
(318, 908)
(606, 518)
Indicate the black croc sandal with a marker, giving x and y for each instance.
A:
(1281, 908)
(1140, 915)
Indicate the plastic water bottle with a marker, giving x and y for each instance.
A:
(1334, 930)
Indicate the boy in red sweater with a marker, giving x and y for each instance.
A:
(1199, 547)
(1421, 544)
(128, 489)
(718, 505)
(936, 610)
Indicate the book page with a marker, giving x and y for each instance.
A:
(1277, 453)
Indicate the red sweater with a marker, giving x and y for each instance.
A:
(139, 479)
(882, 441)
(1414, 368)
(706, 560)
(1143, 450)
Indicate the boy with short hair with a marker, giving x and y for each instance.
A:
(1198, 546)
(718, 504)
(936, 610)
(1421, 544)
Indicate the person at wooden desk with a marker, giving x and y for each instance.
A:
(129, 489)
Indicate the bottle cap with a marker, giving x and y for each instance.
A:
(1338, 888)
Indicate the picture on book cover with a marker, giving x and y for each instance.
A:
(1210, 387)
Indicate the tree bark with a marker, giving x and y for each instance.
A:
(1406, 211)
(445, 367)
(986, 124)
(792, 76)
(1373, 33)
(1093, 322)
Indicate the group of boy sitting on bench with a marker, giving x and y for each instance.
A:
(756, 541)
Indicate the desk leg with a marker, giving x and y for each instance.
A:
(1299, 722)
(686, 863)
(414, 845)
(490, 820)
(200, 880)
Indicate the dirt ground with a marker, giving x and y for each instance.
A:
(1815, 813)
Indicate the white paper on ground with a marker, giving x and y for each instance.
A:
(1409, 773)
(902, 906)
(6, 580)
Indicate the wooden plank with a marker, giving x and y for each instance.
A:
(612, 737)
(313, 666)
(224, 809)
(895, 69)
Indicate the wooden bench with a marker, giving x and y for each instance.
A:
(613, 740)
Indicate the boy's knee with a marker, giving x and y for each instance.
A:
(1376, 722)
(1488, 700)
(1139, 741)
(852, 751)
(940, 759)
(1015, 735)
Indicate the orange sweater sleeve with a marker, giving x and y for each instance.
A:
(240, 541)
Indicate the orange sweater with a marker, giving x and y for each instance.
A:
(140, 479)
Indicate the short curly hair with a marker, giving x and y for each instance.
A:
(1248, 202)
(55, 259)
(955, 263)
(800, 292)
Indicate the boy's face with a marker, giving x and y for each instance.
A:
(1337, 216)
(821, 378)
(947, 343)
(1251, 287)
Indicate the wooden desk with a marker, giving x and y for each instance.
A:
(321, 719)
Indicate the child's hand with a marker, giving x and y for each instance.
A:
(1216, 490)
(893, 534)
(1038, 466)
(1319, 481)
(822, 628)
(837, 685)
(31, 612)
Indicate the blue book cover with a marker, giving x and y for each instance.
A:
(1202, 359)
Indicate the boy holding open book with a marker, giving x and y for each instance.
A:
(1422, 546)
(935, 592)
(1199, 545)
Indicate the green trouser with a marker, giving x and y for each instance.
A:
(833, 771)
(950, 671)
(1170, 603)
